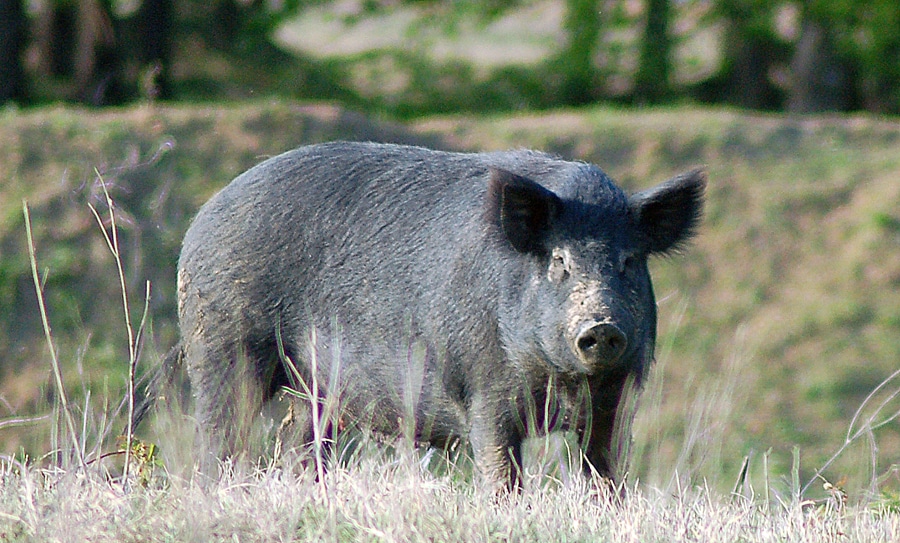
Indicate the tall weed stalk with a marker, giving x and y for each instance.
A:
(864, 427)
(112, 242)
(54, 359)
(134, 336)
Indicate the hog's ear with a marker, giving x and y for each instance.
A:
(668, 214)
(520, 209)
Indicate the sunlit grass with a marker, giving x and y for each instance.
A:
(392, 498)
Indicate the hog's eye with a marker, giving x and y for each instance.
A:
(558, 270)
(627, 262)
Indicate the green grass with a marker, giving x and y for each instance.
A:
(774, 326)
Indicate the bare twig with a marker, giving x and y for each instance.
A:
(112, 241)
(57, 373)
(22, 421)
(869, 425)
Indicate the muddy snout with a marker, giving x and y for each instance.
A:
(600, 344)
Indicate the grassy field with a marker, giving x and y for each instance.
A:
(394, 499)
(776, 329)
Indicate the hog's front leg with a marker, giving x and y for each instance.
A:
(496, 445)
(601, 449)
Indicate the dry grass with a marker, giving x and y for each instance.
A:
(393, 498)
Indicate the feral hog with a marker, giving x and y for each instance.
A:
(485, 296)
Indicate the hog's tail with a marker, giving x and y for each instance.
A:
(162, 380)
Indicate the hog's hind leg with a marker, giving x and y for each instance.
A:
(228, 395)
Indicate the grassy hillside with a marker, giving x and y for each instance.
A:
(774, 326)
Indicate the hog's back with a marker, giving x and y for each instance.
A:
(384, 245)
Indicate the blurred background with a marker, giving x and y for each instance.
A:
(420, 56)
(779, 328)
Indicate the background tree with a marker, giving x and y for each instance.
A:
(821, 78)
(105, 52)
(751, 48)
(863, 43)
(78, 53)
(879, 57)
(651, 83)
(576, 61)
(156, 28)
(12, 45)
(834, 55)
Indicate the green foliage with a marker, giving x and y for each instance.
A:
(868, 36)
(232, 25)
(145, 459)
(577, 58)
(886, 221)
(889, 503)
(651, 83)
(753, 17)
(450, 15)
(421, 87)
(741, 52)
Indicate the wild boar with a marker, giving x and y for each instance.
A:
(458, 289)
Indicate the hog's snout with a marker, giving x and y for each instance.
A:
(600, 344)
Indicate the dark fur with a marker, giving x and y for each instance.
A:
(442, 282)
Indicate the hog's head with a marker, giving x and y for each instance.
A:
(579, 296)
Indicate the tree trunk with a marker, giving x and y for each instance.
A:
(820, 80)
(578, 71)
(156, 20)
(97, 57)
(651, 83)
(12, 43)
(750, 57)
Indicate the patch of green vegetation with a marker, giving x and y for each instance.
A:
(887, 222)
